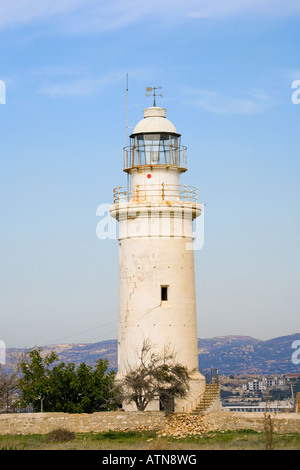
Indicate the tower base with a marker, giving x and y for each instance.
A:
(186, 405)
(197, 389)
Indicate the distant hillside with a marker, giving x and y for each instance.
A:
(230, 354)
(243, 354)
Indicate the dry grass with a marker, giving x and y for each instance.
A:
(64, 440)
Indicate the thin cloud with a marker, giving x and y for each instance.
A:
(21, 12)
(81, 16)
(254, 8)
(84, 87)
(218, 103)
(55, 70)
(87, 87)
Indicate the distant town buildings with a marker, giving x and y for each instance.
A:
(278, 393)
(263, 383)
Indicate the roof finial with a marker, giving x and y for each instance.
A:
(149, 88)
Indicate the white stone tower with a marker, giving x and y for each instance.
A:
(156, 258)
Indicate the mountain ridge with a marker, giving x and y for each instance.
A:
(230, 354)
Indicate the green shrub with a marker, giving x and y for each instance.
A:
(60, 435)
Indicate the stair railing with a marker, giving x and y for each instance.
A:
(193, 404)
(211, 375)
(190, 407)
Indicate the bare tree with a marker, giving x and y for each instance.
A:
(157, 375)
(9, 383)
(268, 427)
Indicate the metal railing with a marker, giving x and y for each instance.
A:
(155, 155)
(190, 407)
(211, 375)
(156, 192)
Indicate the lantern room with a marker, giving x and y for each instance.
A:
(155, 142)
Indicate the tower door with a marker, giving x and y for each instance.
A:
(166, 403)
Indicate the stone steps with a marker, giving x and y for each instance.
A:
(210, 396)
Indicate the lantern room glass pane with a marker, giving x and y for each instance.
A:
(155, 149)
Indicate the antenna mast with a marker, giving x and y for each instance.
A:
(127, 108)
(127, 129)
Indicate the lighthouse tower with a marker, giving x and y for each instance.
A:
(157, 300)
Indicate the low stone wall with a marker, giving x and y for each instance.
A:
(284, 423)
(43, 423)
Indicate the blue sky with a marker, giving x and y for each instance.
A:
(227, 72)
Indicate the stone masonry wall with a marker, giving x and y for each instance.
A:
(283, 422)
(42, 423)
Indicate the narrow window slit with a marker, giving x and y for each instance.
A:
(164, 293)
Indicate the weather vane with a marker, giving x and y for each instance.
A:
(149, 89)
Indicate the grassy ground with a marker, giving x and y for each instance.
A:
(238, 440)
